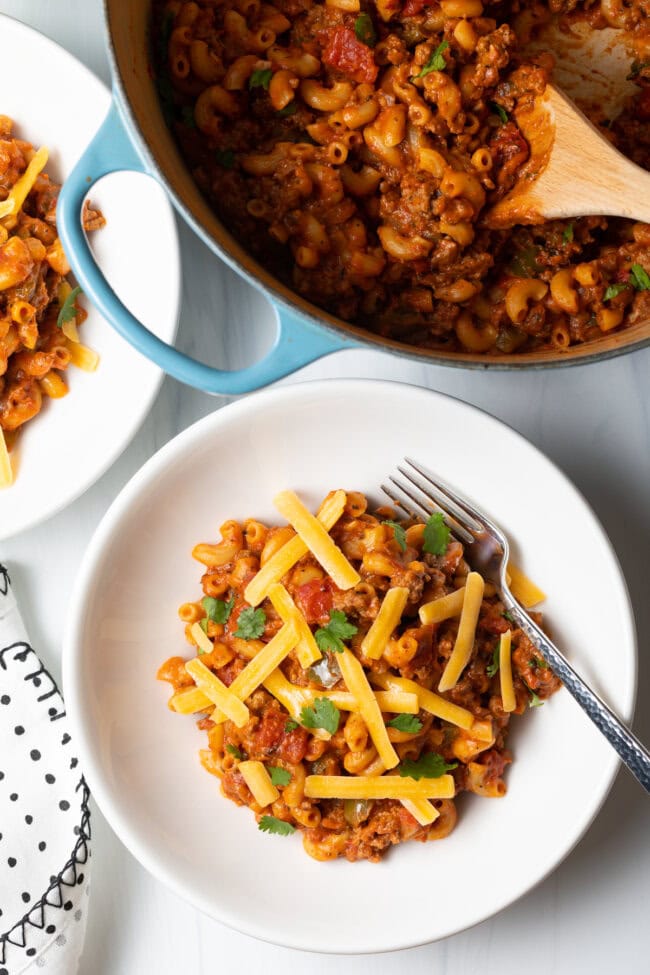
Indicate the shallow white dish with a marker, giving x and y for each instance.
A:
(141, 759)
(55, 101)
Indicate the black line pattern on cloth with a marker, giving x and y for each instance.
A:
(4, 580)
(68, 876)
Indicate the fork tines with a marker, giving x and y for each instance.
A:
(419, 494)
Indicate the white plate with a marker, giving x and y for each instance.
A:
(141, 759)
(58, 103)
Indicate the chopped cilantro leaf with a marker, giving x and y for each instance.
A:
(614, 289)
(290, 726)
(536, 662)
(204, 626)
(330, 637)
(365, 30)
(436, 62)
(500, 111)
(279, 776)
(567, 236)
(323, 714)
(289, 109)
(271, 824)
(436, 535)
(251, 623)
(261, 78)
(640, 278)
(535, 700)
(399, 532)
(225, 158)
(216, 609)
(493, 667)
(68, 311)
(409, 723)
(235, 751)
(508, 616)
(428, 766)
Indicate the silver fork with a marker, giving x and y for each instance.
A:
(486, 550)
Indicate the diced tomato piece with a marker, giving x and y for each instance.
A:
(228, 673)
(414, 7)
(205, 724)
(293, 746)
(270, 737)
(315, 600)
(345, 52)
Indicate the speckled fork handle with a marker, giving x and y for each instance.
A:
(631, 751)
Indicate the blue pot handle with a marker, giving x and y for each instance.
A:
(297, 342)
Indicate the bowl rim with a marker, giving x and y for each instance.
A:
(73, 654)
(232, 253)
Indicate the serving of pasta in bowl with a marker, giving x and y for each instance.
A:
(61, 422)
(336, 680)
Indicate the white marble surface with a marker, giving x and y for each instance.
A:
(594, 422)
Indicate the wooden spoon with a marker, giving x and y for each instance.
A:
(573, 171)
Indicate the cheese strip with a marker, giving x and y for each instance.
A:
(505, 672)
(6, 473)
(444, 608)
(389, 615)
(201, 639)
(294, 698)
(259, 782)
(317, 540)
(264, 663)
(189, 700)
(428, 701)
(357, 683)
(523, 589)
(466, 629)
(217, 692)
(286, 557)
(422, 810)
(18, 192)
(306, 647)
(378, 787)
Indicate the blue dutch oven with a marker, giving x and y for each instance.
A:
(134, 136)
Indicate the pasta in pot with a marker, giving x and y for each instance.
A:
(355, 148)
(354, 711)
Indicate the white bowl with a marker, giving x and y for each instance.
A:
(58, 103)
(141, 759)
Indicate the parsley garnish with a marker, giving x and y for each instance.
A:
(216, 609)
(187, 116)
(614, 289)
(271, 824)
(260, 78)
(204, 626)
(567, 236)
(508, 616)
(290, 726)
(68, 312)
(289, 109)
(494, 666)
(500, 111)
(436, 62)
(279, 776)
(251, 623)
(636, 68)
(436, 535)
(324, 715)
(409, 723)
(365, 30)
(330, 637)
(235, 751)
(640, 278)
(428, 766)
(225, 158)
(399, 532)
(535, 700)
(536, 662)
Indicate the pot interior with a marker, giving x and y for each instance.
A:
(128, 28)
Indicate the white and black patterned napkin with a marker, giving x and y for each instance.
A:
(44, 817)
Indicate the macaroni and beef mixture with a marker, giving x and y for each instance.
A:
(351, 701)
(38, 308)
(355, 149)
